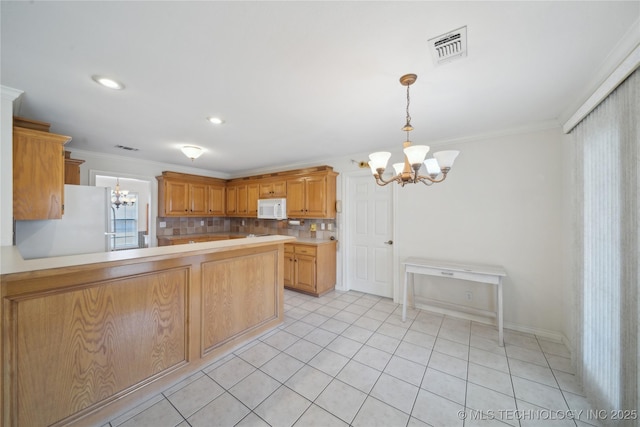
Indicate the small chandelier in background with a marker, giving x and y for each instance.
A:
(414, 157)
(121, 197)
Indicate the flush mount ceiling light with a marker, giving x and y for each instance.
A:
(107, 82)
(191, 151)
(414, 157)
(215, 120)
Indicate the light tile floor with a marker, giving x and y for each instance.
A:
(347, 358)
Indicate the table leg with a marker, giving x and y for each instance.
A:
(499, 314)
(404, 296)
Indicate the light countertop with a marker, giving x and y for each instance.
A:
(11, 260)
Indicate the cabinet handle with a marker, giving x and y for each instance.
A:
(446, 273)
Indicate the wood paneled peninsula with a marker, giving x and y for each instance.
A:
(86, 337)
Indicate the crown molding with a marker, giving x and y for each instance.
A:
(160, 165)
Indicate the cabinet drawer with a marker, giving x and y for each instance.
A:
(288, 248)
(306, 250)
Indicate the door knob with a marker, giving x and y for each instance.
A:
(389, 242)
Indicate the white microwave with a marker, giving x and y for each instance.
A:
(272, 208)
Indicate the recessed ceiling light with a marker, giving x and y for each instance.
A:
(107, 82)
(215, 120)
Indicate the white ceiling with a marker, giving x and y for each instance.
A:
(301, 81)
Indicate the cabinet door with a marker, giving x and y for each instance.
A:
(275, 189)
(232, 207)
(216, 200)
(38, 174)
(198, 199)
(316, 197)
(266, 190)
(295, 198)
(279, 189)
(176, 200)
(289, 271)
(241, 200)
(253, 191)
(305, 266)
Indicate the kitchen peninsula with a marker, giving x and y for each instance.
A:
(85, 337)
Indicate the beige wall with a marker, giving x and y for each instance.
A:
(502, 204)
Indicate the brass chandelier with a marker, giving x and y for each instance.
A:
(121, 197)
(414, 156)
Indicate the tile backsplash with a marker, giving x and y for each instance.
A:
(186, 226)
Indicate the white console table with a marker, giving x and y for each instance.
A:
(476, 273)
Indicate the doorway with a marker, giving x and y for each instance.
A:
(129, 217)
(369, 236)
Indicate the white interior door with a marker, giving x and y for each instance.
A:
(370, 231)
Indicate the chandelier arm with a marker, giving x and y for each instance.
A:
(380, 181)
(427, 180)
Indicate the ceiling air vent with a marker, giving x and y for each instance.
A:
(122, 147)
(449, 46)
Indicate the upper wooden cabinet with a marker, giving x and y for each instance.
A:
(232, 199)
(273, 189)
(253, 194)
(242, 199)
(216, 200)
(71, 169)
(189, 195)
(310, 193)
(38, 174)
(312, 196)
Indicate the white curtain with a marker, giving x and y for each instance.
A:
(607, 261)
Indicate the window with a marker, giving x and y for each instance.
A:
(125, 225)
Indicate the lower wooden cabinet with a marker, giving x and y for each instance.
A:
(169, 241)
(310, 267)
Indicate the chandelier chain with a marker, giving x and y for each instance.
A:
(408, 102)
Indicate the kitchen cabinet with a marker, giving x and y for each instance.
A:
(312, 196)
(198, 194)
(273, 189)
(232, 200)
(242, 199)
(38, 174)
(310, 193)
(176, 198)
(189, 195)
(71, 169)
(310, 267)
(216, 200)
(253, 193)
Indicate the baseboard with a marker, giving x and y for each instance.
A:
(541, 333)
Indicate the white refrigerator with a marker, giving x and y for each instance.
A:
(84, 227)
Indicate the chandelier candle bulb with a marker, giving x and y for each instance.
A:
(416, 153)
(433, 168)
(446, 158)
(379, 160)
(399, 167)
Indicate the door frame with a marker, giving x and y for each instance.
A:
(347, 197)
(153, 192)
